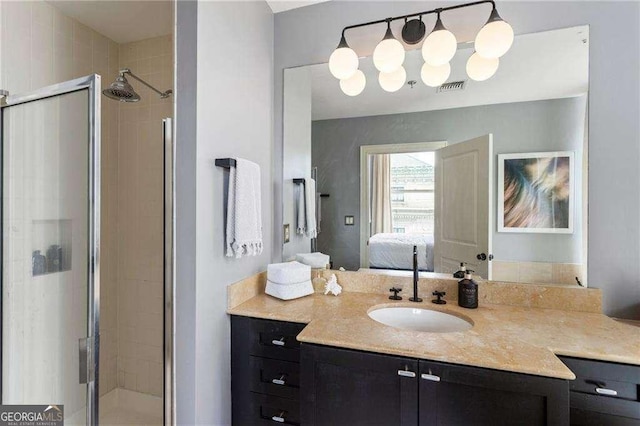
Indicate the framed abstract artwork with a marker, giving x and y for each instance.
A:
(536, 192)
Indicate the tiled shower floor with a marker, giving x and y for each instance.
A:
(125, 407)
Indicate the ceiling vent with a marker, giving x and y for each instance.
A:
(452, 86)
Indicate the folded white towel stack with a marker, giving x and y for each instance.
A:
(315, 260)
(244, 210)
(289, 280)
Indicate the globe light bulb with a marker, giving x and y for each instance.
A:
(480, 68)
(435, 76)
(439, 46)
(495, 38)
(354, 85)
(343, 62)
(392, 81)
(388, 55)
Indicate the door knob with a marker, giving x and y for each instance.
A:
(481, 257)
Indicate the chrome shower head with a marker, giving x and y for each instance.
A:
(121, 90)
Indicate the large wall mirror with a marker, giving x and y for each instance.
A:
(492, 173)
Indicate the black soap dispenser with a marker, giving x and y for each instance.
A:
(468, 291)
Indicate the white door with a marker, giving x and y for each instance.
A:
(463, 201)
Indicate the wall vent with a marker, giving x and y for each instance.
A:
(452, 86)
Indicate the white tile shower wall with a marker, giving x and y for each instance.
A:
(140, 232)
(42, 46)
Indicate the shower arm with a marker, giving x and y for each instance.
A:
(164, 94)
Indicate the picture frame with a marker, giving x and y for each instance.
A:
(536, 192)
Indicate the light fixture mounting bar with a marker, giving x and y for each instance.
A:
(413, 15)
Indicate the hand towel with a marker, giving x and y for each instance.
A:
(288, 273)
(244, 210)
(310, 208)
(301, 223)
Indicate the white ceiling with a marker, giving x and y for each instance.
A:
(283, 5)
(122, 21)
(547, 65)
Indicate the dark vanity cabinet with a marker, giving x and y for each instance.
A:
(265, 372)
(604, 393)
(277, 380)
(359, 388)
(462, 395)
(345, 387)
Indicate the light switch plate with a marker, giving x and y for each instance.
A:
(348, 220)
(287, 233)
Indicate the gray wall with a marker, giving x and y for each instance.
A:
(309, 35)
(550, 125)
(234, 118)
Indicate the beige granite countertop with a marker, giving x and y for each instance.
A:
(510, 338)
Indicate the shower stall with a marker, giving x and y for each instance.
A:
(86, 280)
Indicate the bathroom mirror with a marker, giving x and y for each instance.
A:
(492, 173)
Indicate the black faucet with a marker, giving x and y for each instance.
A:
(415, 297)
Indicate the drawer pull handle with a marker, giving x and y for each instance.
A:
(279, 381)
(406, 373)
(431, 377)
(605, 391)
(279, 419)
(278, 342)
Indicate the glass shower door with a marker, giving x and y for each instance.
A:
(50, 240)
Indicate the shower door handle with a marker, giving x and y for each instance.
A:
(85, 360)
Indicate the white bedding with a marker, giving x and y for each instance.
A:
(395, 251)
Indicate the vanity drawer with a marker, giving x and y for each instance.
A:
(586, 408)
(604, 379)
(271, 410)
(275, 377)
(269, 339)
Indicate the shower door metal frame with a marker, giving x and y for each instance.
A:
(169, 271)
(92, 84)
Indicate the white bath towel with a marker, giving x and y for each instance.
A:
(244, 210)
(301, 223)
(310, 208)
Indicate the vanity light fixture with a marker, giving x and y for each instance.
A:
(435, 76)
(392, 81)
(343, 62)
(495, 38)
(388, 56)
(439, 47)
(354, 85)
(480, 68)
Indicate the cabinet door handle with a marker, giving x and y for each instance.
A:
(431, 377)
(279, 418)
(605, 391)
(279, 381)
(406, 373)
(278, 342)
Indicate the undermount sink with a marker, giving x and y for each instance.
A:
(417, 319)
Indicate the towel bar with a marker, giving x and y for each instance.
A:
(227, 163)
